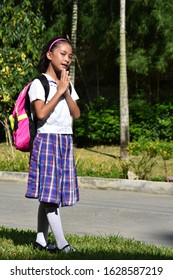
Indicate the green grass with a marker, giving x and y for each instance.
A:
(18, 245)
(99, 161)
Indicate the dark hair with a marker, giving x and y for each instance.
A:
(44, 61)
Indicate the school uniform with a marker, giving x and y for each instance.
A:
(52, 175)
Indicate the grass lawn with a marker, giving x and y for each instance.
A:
(99, 161)
(18, 245)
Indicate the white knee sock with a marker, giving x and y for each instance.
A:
(53, 216)
(42, 225)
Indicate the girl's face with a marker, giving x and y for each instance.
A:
(60, 57)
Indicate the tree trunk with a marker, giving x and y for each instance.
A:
(74, 39)
(124, 108)
(8, 135)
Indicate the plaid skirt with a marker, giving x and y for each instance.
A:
(52, 175)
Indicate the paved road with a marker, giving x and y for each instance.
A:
(141, 216)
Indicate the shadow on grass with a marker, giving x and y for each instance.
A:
(19, 237)
(89, 248)
(101, 153)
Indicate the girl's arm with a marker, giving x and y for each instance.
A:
(73, 107)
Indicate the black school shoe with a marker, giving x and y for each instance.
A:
(68, 249)
(49, 247)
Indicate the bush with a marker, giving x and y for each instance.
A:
(152, 121)
(147, 152)
(99, 124)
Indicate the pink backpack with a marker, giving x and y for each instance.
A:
(23, 127)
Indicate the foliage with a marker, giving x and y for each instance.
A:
(151, 55)
(17, 244)
(141, 168)
(21, 34)
(149, 44)
(58, 17)
(149, 59)
(152, 121)
(99, 124)
(148, 151)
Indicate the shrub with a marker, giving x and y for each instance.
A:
(98, 125)
(147, 152)
(100, 122)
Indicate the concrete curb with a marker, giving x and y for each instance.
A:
(104, 183)
(127, 185)
(13, 176)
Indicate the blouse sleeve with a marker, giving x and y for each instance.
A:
(36, 91)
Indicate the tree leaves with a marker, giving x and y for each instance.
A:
(20, 46)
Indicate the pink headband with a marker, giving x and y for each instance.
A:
(57, 40)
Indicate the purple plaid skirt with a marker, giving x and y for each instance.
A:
(52, 176)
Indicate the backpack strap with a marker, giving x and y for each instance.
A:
(70, 88)
(45, 84)
(36, 123)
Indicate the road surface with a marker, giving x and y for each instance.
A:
(135, 215)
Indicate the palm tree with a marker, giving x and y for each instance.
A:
(124, 109)
(74, 38)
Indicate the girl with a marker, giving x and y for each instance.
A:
(52, 174)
